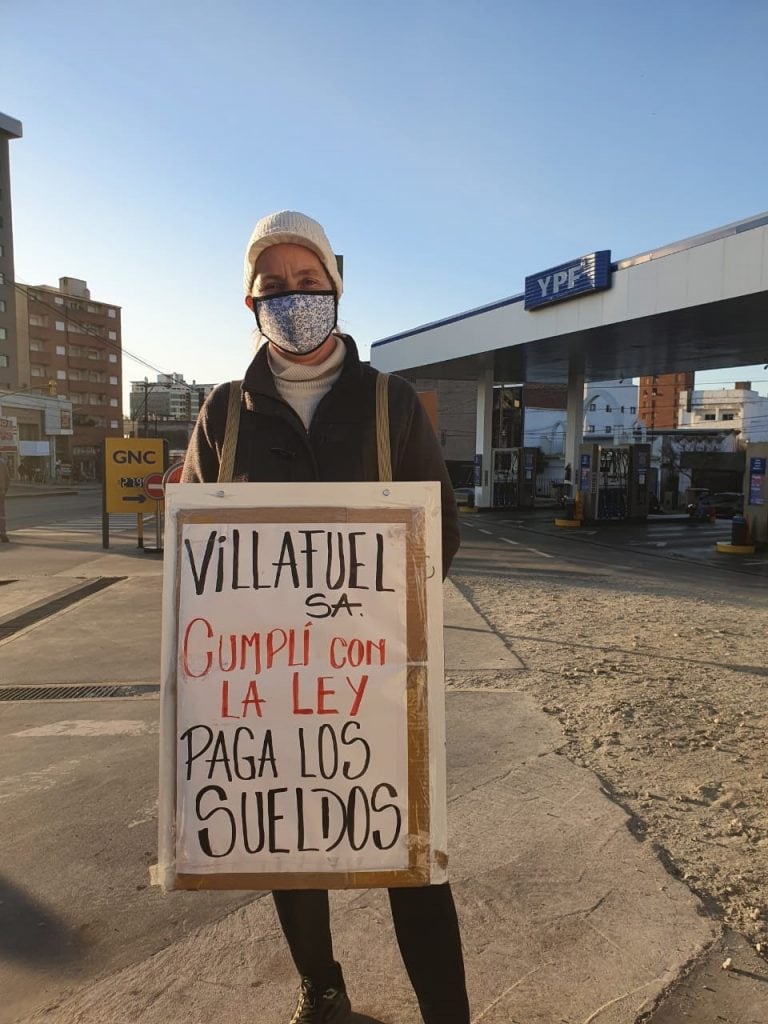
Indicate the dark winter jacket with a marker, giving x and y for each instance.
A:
(340, 446)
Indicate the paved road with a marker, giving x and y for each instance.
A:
(65, 515)
(673, 550)
(51, 507)
(661, 537)
(79, 785)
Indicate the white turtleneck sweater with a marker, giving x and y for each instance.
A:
(303, 386)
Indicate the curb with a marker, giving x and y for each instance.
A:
(41, 494)
(567, 523)
(735, 549)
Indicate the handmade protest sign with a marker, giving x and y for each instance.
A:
(302, 694)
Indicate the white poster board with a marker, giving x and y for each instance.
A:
(302, 705)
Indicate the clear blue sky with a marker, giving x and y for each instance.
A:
(449, 148)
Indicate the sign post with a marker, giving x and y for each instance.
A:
(154, 490)
(302, 705)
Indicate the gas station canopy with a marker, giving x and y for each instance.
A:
(699, 304)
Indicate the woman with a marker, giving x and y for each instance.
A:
(308, 414)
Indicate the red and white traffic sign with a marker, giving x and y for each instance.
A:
(173, 474)
(153, 486)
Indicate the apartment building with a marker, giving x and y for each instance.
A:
(166, 407)
(739, 408)
(659, 399)
(73, 349)
(168, 397)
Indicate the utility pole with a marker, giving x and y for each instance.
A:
(146, 407)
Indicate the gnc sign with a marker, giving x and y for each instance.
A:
(128, 461)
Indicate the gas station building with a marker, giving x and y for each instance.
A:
(697, 304)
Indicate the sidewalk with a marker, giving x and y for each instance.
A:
(567, 917)
(24, 490)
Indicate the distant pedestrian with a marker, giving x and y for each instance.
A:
(5, 483)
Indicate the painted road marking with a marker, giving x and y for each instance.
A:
(87, 727)
(517, 543)
(87, 524)
(488, 532)
(537, 552)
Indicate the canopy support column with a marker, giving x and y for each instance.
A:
(483, 440)
(574, 423)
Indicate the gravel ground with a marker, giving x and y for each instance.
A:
(663, 695)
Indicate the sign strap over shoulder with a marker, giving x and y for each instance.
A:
(227, 460)
(382, 427)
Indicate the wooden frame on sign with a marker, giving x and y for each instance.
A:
(416, 508)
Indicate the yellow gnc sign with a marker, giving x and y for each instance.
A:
(127, 462)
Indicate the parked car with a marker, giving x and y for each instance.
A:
(464, 496)
(726, 504)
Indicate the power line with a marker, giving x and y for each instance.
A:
(90, 331)
(87, 329)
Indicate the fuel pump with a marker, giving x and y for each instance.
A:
(587, 480)
(506, 478)
(527, 492)
(613, 481)
(639, 480)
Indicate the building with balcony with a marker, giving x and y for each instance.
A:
(69, 345)
(659, 399)
(166, 407)
(610, 418)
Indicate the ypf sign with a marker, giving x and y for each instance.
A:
(128, 463)
(581, 276)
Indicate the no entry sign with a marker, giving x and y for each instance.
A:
(173, 474)
(153, 486)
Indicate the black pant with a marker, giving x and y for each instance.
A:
(427, 931)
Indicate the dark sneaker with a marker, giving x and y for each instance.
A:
(329, 1007)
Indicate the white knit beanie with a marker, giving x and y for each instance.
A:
(296, 228)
